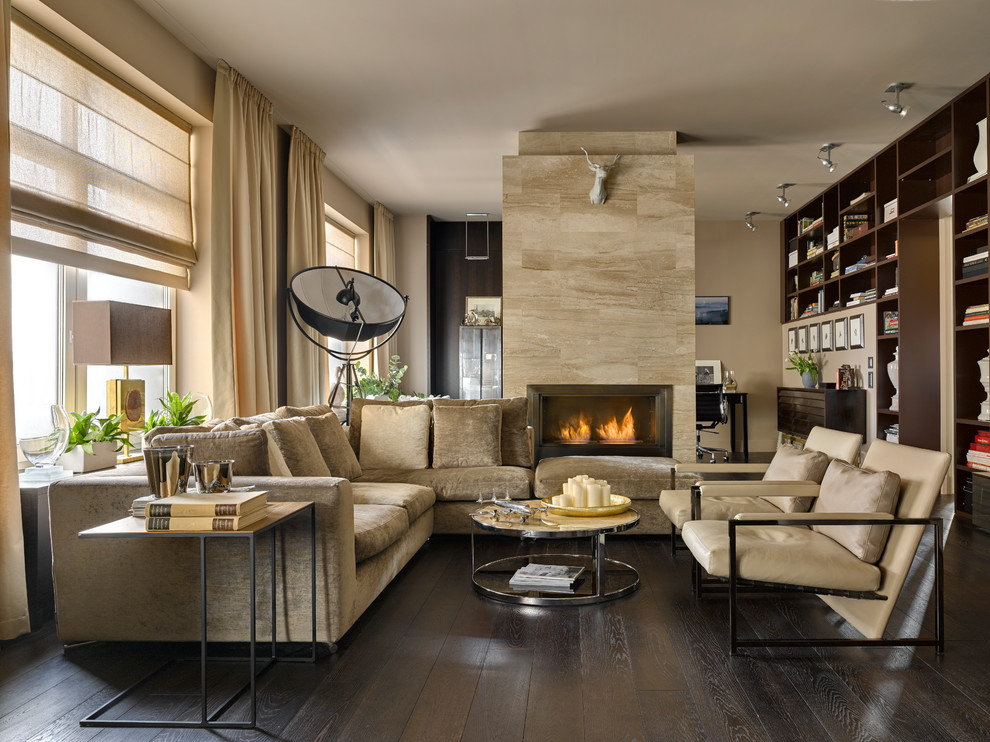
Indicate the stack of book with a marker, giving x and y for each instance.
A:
(863, 262)
(815, 249)
(816, 278)
(891, 323)
(892, 433)
(976, 221)
(891, 291)
(975, 265)
(227, 511)
(853, 225)
(978, 456)
(792, 258)
(546, 578)
(810, 310)
(861, 197)
(977, 314)
(832, 239)
(807, 224)
(861, 297)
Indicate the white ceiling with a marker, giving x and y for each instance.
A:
(416, 102)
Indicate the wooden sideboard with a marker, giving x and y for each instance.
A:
(800, 409)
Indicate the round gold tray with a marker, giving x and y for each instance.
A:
(620, 504)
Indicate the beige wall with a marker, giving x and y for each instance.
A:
(600, 293)
(744, 265)
(411, 278)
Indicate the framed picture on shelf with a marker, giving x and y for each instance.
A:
(792, 340)
(827, 335)
(841, 325)
(707, 372)
(857, 330)
(803, 339)
(483, 310)
(711, 310)
(814, 338)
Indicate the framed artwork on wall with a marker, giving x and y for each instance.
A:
(711, 310)
(814, 343)
(857, 331)
(840, 334)
(827, 335)
(803, 339)
(707, 372)
(792, 340)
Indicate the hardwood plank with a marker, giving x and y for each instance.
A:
(557, 692)
(670, 715)
(499, 709)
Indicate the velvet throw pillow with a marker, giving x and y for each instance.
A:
(332, 441)
(298, 447)
(395, 437)
(791, 464)
(253, 452)
(314, 410)
(358, 406)
(515, 445)
(467, 436)
(849, 489)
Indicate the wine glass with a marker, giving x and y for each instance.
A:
(44, 443)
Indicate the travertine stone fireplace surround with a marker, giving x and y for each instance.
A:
(600, 294)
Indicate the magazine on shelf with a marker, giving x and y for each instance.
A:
(555, 576)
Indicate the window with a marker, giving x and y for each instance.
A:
(342, 250)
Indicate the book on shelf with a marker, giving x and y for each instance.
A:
(861, 197)
(976, 221)
(982, 447)
(863, 262)
(891, 323)
(974, 269)
(208, 505)
(139, 505)
(982, 255)
(892, 433)
(792, 258)
(807, 223)
(832, 239)
(891, 291)
(204, 523)
(546, 577)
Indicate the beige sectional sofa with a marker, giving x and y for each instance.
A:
(401, 472)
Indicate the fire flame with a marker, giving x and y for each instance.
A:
(575, 430)
(614, 432)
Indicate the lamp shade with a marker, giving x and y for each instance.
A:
(115, 333)
(346, 304)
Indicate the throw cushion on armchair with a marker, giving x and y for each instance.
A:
(467, 436)
(791, 464)
(395, 437)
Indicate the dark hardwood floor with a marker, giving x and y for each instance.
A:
(431, 660)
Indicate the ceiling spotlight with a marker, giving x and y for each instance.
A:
(783, 194)
(896, 107)
(825, 156)
(749, 219)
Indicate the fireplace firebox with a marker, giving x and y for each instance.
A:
(601, 419)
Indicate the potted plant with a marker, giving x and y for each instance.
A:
(806, 366)
(176, 411)
(93, 441)
(388, 387)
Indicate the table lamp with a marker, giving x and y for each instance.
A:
(115, 333)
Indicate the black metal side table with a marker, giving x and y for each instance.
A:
(279, 513)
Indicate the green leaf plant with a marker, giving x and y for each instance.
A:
(803, 364)
(372, 386)
(87, 429)
(176, 411)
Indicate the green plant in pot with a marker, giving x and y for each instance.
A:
(388, 387)
(807, 366)
(176, 411)
(93, 441)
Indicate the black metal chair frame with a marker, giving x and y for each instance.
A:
(709, 422)
(735, 585)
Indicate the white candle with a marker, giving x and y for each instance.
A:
(606, 494)
(567, 501)
(580, 496)
(594, 496)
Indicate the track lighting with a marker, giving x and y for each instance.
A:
(896, 107)
(825, 156)
(783, 194)
(749, 219)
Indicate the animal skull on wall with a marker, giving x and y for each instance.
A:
(598, 193)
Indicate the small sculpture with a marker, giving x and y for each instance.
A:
(598, 193)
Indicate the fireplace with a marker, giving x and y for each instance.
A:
(601, 419)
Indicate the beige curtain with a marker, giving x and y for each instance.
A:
(306, 249)
(384, 254)
(13, 588)
(243, 265)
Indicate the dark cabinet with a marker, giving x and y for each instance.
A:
(800, 409)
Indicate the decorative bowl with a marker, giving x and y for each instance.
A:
(620, 504)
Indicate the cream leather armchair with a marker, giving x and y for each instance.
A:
(721, 500)
(782, 553)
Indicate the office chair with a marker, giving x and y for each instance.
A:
(711, 411)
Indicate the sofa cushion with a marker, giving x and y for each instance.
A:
(467, 436)
(150, 436)
(849, 489)
(636, 477)
(464, 484)
(314, 410)
(414, 499)
(358, 406)
(298, 447)
(253, 451)
(792, 464)
(395, 437)
(376, 527)
(333, 444)
(515, 446)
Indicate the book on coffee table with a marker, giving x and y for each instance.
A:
(545, 576)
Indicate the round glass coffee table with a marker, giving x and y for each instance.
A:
(600, 579)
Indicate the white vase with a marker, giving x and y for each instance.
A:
(892, 375)
(103, 457)
(984, 364)
(980, 154)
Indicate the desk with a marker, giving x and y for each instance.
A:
(733, 399)
(278, 514)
